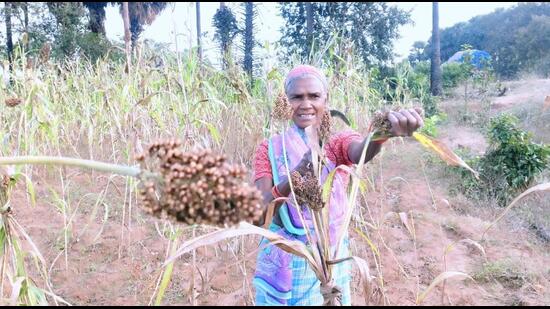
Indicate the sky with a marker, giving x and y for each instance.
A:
(178, 21)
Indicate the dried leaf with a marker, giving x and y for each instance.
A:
(475, 244)
(405, 221)
(537, 188)
(443, 151)
(442, 277)
(366, 278)
(271, 210)
(15, 290)
(327, 185)
(295, 247)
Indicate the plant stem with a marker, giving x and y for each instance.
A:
(81, 163)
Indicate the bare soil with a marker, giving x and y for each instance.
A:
(114, 252)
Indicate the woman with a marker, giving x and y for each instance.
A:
(282, 278)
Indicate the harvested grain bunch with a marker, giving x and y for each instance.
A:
(381, 125)
(12, 102)
(282, 109)
(325, 126)
(307, 190)
(196, 187)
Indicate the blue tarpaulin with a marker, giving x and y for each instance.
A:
(479, 58)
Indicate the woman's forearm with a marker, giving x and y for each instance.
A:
(356, 148)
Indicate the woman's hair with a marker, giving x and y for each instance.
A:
(302, 71)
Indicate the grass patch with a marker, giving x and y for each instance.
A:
(510, 273)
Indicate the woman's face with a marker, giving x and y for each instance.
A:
(308, 99)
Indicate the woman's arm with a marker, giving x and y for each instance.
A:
(403, 123)
(356, 147)
(266, 187)
(264, 177)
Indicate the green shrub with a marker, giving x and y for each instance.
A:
(452, 74)
(430, 124)
(510, 164)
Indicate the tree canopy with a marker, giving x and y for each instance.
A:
(371, 26)
(517, 38)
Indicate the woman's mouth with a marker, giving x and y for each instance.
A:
(306, 116)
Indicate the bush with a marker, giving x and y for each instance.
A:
(452, 74)
(511, 163)
(430, 124)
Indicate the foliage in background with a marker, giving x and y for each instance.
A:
(517, 38)
(431, 123)
(227, 28)
(371, 26)
(510, 164)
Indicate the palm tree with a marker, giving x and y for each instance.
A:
(309, 26)
(141, 13)
(226, 28)
(249, 39)
(198, 11)
(435, 76)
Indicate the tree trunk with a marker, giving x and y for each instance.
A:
(97, 17)
(248, 39)
(309, 26)
(198, 11)
(25, 6)
(9, 42)
(435, 76)
(127, 35)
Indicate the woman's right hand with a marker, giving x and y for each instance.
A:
(305, 164)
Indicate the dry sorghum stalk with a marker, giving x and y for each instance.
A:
(197, 187)
(12, 102)
(282, 109)
(4, 183)
(307, 190)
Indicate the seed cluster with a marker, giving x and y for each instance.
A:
(196, 187)
(307, 190)
(12, 102)
(382, 124)
(282, 109)
(325, 127)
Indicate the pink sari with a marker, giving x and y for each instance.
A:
(274, 270)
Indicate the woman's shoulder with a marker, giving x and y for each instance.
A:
(343, 135)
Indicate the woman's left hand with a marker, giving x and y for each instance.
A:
(404, 122)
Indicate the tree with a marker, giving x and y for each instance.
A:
(96, 16)
(250, 14)
(9, 42)
(371, 26)
(225, 23)
(435, 72)
(69, 27)
(417, 52)
(309, 26)
(198, 13)
(502, 34)
(141, 13)
(127, 35)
